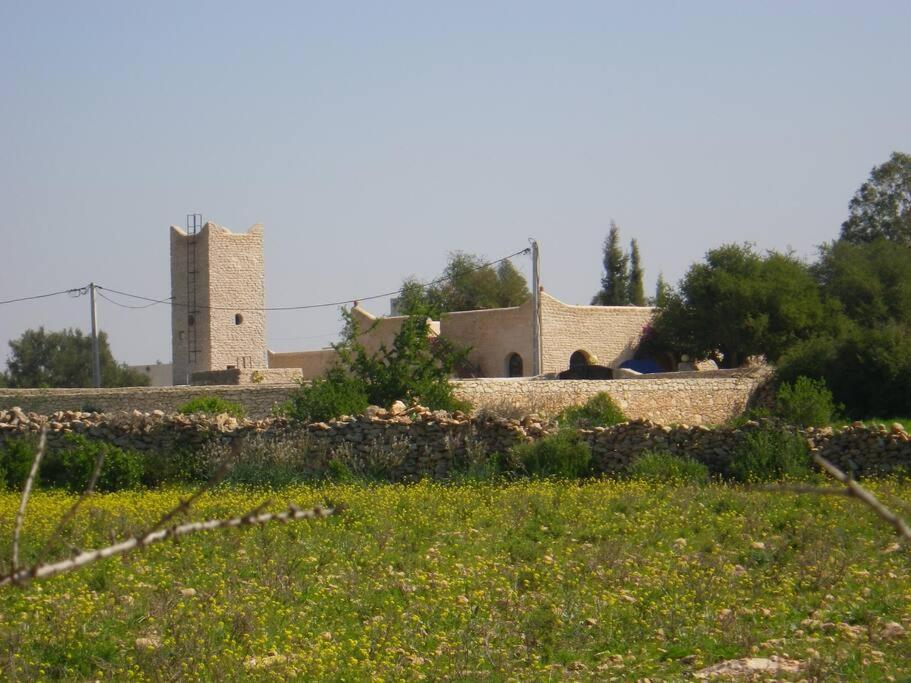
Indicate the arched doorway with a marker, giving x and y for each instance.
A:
(514, 365)
(580, 359)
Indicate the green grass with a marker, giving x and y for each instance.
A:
(529, 580)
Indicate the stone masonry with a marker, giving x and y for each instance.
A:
(230, 295)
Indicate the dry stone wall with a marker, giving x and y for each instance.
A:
(435, 443)
(688, 400)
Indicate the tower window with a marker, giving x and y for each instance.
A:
(191, 320)
(238, 318)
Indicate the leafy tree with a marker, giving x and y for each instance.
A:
(64, 359)
(871, 281)
(881, 208)
(739, 303)
(636, 289)
(615, 281)
(662, 290)
(867, 369)
(467, 284)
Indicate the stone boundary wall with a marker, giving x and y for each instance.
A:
(687, 400)
(435, 443)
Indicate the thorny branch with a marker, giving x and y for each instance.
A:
(155, 534)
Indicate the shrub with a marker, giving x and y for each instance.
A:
(337, 393)
(71, 465)
(770, 454)
(212, 405)
(807, 402)
(662, 466)
(563, 454)
(16, 456)
(599, 411)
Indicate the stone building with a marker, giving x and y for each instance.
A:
(218, 325)
(218, 296)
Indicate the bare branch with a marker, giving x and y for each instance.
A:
(20, 515)
(857, 491)
(186, 503)
(253, 518)
(61, 525)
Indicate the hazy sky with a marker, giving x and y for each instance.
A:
(373, 138)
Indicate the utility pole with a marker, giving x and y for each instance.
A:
(536, 307)
(96, 359)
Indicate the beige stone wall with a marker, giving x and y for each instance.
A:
(609, 334)
(694, 401)
(236, 376)
(492, 335)
(690, 400)
(310, 363)
(159, 374)
(229, 283)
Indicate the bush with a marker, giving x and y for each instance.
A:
(563, 455)
(212, 405)
(770, 455)
(16, 456)
(71, 465)
(662, 466)
(599, 411)
(807, 403)
(338, 393)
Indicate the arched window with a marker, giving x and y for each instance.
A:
(514, 365)
(579, 359)
(238, 318)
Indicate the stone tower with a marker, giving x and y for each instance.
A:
(217, 321)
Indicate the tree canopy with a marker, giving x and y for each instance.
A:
(881, 208)
(740, 303)
(64, 359)
(467, 284)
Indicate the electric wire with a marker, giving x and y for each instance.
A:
(123, 305)
(305, 306)
(74, 292)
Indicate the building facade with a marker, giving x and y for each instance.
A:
(219, 328)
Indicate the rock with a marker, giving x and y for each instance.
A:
(898, 428)
(892, 631)
(398, 408)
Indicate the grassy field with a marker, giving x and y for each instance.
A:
(526, 581)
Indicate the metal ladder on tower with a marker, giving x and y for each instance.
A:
(194, 225)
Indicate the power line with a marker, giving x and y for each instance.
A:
(305, 306)
(123, 305)
(74, 292)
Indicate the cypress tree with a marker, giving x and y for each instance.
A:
(661, 291)
(615, 280)
(636, 290)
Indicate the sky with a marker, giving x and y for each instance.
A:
(372, 139)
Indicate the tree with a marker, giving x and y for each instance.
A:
(615, 281)
(871, 281)
(739, 303)
(881, 208)
(467, 284)
(636, 289)
(64, 359)
(662, 290)
(416, 368)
